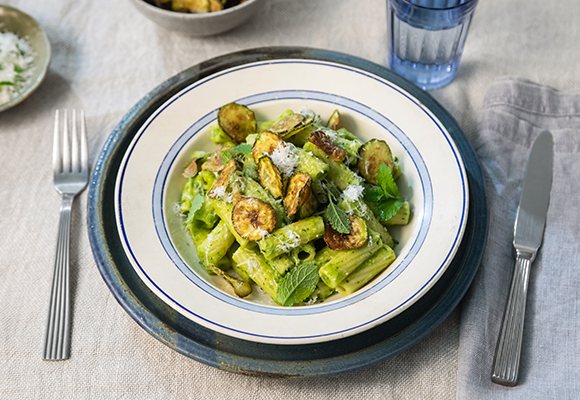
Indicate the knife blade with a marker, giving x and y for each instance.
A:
(528, 234)
(531, 216)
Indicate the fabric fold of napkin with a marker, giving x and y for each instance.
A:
(514, 113)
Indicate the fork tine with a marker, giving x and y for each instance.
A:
(56, 158)
(84, 144)
(65, 144)
(75, 143)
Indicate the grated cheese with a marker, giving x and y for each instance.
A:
(293, 241)
(219, 192)
(252, 265)
(262, 232)
(353, 192)
(333, 135)
(285, 159)
(16, 66)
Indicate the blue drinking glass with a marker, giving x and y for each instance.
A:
(426, 38)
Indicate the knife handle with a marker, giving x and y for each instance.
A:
(506, 362)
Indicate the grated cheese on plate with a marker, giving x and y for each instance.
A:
(16, 66)
(285, 159)
(293, 241)
(353, 192)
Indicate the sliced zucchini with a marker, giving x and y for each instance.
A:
(300, 199)
(198, 158)
(253, 218)
(354, 240)
(291, 125)
(237, 121)
(270, 178)
(215, 162)
(265, 145)
(333, 120)
(324, 143)
(372, 154)
(241, 287)
(191, 169)
(218, 189)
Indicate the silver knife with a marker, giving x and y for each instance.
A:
(528, 234)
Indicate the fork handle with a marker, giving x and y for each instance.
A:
(56, 336)
(506, 362)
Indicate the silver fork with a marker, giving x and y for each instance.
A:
(71, 172)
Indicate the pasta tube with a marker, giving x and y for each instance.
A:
(338, 172)
(291, 236)
(224, 211)
(216, 244)
(305, 253)
(254, 264)
(343, 262)
(367, 271)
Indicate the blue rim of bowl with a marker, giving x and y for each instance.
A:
(246, 357)
(44, 68)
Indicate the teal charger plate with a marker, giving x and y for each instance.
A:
(242, 356)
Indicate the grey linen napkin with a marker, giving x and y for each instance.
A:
(514, 113)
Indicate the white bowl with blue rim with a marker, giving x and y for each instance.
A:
(149, 185)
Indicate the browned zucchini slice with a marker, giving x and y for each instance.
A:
(308, 204)
(215, 163)
(265, 145)
(237, 121)
(191, 169)
(291, 125)
(269, 177)
(372, 154)
(333, 120)
(300, 199)
(354, 240)
(218, 190)
(324, 143)
(253, 218)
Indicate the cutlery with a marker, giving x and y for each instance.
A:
(528, 234)
(70, 175)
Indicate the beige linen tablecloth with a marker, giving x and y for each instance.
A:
(106, 57)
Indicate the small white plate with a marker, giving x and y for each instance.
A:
(149, 185)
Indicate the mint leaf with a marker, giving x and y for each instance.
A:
(337, 217)
(388, 208)
(227, 155)
(297, 284)
(374, 194)
(18, 68)
(196, 204)
(243, 148)
(387, 182)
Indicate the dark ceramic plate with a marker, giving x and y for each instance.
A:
(321, 359)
